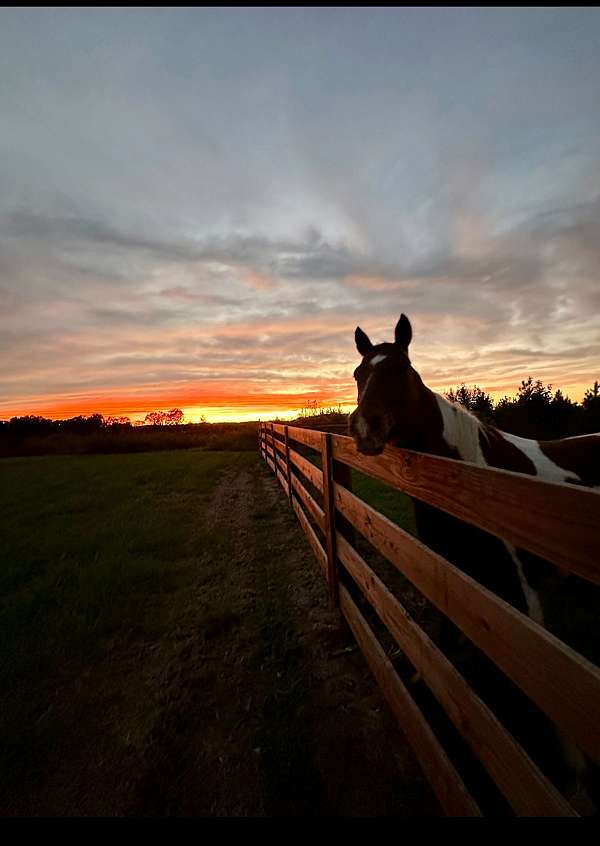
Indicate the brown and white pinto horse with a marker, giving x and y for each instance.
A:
(395, 407)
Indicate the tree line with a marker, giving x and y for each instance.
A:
(31, 424)
(535, 411)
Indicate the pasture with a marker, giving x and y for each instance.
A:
(167, 648)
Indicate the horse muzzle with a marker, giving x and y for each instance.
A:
(367, 442)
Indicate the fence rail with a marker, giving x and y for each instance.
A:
(560, 523)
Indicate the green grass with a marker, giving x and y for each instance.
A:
(395, 505)
(90, 544)
(74, 526)
(164, 644)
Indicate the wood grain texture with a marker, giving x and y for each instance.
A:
(559, 522)
(308, 437)
(525, 787)
(564, 684)
(280, 446)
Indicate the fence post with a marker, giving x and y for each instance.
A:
(288, 463)
(274, 451)
(329, 508)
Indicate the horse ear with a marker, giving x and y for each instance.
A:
(403, 332)
(363, 344)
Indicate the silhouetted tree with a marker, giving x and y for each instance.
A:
(475, 400)
(81, 425)
(154, 418)
(563, 416)
(30, 424)
(117, 421)
(591, 409)
(528, 415)
(174, 417)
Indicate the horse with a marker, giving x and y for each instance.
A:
(395, 407)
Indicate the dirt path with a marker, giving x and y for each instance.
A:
(243, 702)
(298, 727)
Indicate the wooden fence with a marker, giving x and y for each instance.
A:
(561, 523)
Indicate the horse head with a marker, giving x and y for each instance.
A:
(390, 392)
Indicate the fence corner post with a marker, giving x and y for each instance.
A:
(329, 508)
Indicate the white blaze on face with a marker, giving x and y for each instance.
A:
(377, 359)
(364, 390)
(361, 424)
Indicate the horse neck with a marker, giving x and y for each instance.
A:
(453, 431)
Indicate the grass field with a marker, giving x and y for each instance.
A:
(167, 648)
(88, 543)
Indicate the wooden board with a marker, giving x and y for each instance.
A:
(441, 774)
(560, 522)
(312, 473)
(279, 446)
(564, 684)
(310, 533)
(525, 787)
(282, 481)
(309, 503)
(281, 465)
(308, 437)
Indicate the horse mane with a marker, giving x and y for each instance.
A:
(462, 430)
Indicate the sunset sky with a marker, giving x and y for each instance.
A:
(198, 206)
